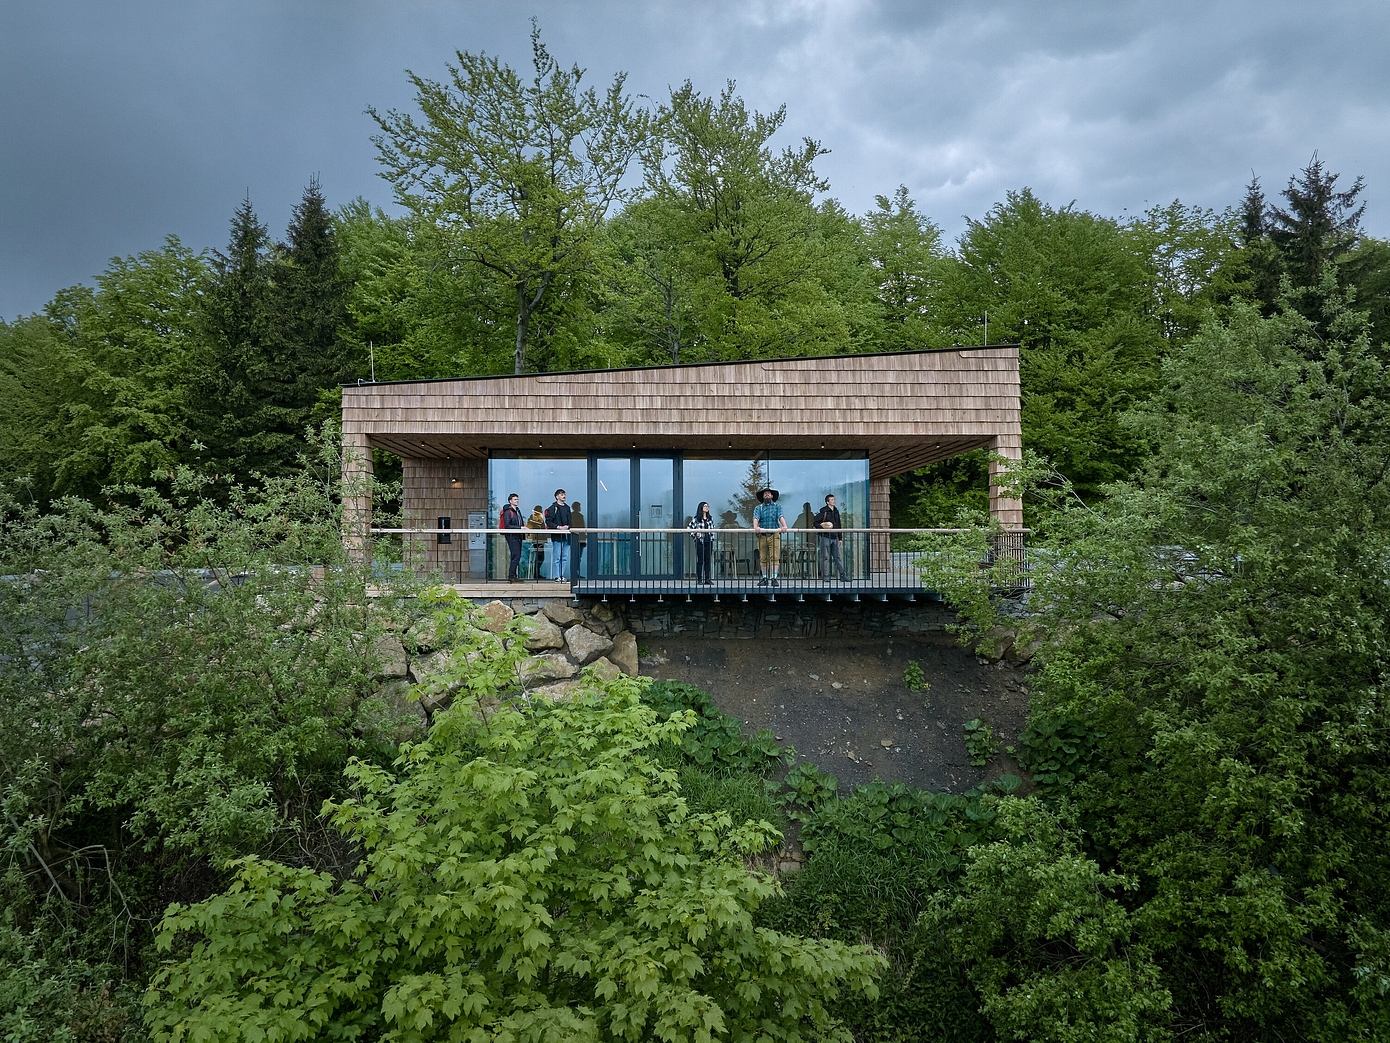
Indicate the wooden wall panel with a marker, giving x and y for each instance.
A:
(904, 409)
(427, 495)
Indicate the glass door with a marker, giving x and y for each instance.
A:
(634, 492)
(610, 501)
(659, 554)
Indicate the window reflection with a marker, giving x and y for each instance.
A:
(534, 479)
(730, 484)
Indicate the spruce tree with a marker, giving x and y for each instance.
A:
(311, 305)
(243, 421)
(1254, 213)
(1263, 266)
(1319, 226)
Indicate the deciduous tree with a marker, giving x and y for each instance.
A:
(519, 174)
(529, 872)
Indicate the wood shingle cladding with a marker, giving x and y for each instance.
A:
(905, 409)
(902, 409)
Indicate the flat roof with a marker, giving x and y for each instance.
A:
(683, 365)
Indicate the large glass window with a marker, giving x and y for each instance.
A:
(533, 477)
(731, 483)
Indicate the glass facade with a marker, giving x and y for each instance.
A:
(654, 491)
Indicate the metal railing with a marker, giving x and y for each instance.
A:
(603, 561)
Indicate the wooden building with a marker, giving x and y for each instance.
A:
(639, 447)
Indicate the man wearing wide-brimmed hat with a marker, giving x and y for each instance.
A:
(768, 525)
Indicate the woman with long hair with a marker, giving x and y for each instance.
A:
(701, 528)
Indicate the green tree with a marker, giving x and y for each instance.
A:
(766, 270)
(1222, 623)
(1190, 251)
(241, 399)
(528, 872)
(412, 313)
(33, 386)
(1075, 292)
(519, 174)
(1368, 271)
(1319, 225)
(311, 313)
(181, 683)
(904, 251)
(96, 391)
(1044, 940)
(650, 306)
(1256, 271)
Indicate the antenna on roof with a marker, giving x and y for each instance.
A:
(371, 358)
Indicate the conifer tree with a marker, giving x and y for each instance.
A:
(244, 422)
(311, 300)
(1319, 226)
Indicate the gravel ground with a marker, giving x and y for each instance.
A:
(845, 705)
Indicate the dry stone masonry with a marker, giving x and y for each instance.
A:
(563, 640)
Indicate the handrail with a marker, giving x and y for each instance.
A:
(592, 529)
(604, 560)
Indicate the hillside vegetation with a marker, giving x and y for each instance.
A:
(217, 824)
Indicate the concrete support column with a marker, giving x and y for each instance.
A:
(357, 496)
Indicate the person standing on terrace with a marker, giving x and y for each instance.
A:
(511, 518)
(768, 525)
(828, 553)
(577, 522)
(557, 519)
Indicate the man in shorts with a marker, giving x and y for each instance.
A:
(768, 526)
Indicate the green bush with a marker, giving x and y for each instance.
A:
(716, 741)
(49, 994)
(806, 788)
(528, 871)
(915, 678)
(980, 743)
(744, 797)
(876, 859)
(1055, 749)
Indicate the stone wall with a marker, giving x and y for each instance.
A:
(563, 641)
(733, 620)
(738, 620)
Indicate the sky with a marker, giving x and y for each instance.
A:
(126, 121)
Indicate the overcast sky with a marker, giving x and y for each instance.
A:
(123, 121)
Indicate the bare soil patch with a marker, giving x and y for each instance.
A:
(846, 707)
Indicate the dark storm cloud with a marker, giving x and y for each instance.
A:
(124, 122)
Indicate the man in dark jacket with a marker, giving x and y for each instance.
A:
(827, 521)
(511, 518)
(557, 517)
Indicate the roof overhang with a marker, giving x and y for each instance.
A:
(903, 409)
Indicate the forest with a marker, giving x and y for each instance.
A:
(218, 825)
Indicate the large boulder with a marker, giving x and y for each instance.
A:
(624, 652)
(558, 692)
(542, 669)
(541, 634)
(496, 616)
(585, 646)
(603, 613)
(604, 669)
(422, 635)
(390, 656)
(561, 613)
(427, 668)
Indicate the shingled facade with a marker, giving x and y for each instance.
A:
(895, 412)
